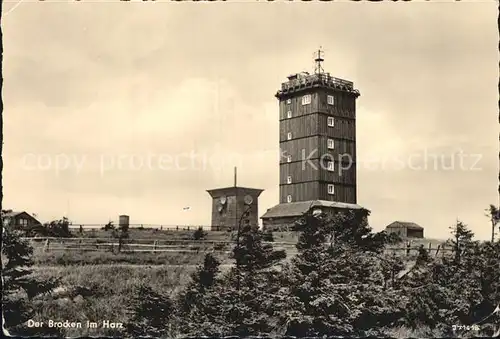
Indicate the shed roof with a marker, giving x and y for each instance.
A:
(405, 224)
(295, 209)
(11, 214)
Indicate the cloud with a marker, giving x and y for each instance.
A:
(130, 82)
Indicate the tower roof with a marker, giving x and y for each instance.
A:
(304, 80)
(217, 192)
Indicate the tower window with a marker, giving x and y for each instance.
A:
(289, 114)
(288, 101)
(289, 135)
(306, 99)
(289, 180)
(331, 122)
(330, 166)
(331, 189)
(288, 198)
(330, 100)
(288, 158)
(331, 144)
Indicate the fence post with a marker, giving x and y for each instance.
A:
(154, 245)
(407, 248)
(444, 245)
(46, 247)
(437, 250)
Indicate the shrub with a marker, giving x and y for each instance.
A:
(58, 228)
(109, 226)
(199, 234)
(150, 313)
(19, 287)
(268, 236)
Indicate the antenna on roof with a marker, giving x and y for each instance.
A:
(235, 176)
(318, 69)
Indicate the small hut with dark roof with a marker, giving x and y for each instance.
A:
(405, 229)
(282, 217)
(19, 219)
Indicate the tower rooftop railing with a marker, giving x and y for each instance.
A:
(305, 79)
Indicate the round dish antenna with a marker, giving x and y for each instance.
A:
(248, 200)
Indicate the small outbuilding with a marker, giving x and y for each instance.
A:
(19, 220)
(405, 229)
(282, 217)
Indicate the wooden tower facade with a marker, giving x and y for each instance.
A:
(317, 137)
(230, 203)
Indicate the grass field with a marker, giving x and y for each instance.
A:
(109, 290)
(65, 258)
(98, 285)
(165, 235)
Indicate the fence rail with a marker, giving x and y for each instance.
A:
(163, 227)
(140, 242)
(190, 246)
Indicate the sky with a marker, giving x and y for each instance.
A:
(138, 108)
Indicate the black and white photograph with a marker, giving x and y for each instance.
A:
(250, 169)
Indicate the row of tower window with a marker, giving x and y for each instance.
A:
(306, 100)
(330, 121)
(330, 145)
(331, 191)
(330, 164)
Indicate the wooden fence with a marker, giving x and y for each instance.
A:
(410, 249)
(186, 246)
(139, 245)
(158, 227)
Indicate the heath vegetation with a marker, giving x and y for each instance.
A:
(341, 282)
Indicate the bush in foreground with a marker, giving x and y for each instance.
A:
(340, 283)
(19, 287)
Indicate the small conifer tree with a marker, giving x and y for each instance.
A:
(19, 287)
(150, 313)
(462, 241)
(201, 280)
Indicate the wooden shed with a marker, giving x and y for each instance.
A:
(18, 220)
(405, 229)
(282, 217)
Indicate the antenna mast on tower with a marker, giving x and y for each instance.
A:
(318, 68)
